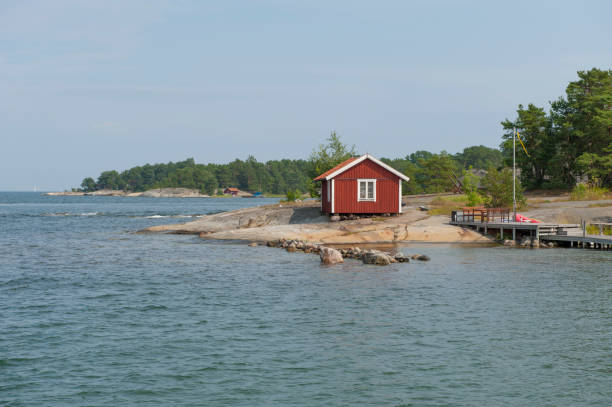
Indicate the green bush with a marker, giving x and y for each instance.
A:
(470, 187)
(293, 195)
(498, 187)
(474, 198)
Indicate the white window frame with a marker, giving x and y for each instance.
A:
(366, 180)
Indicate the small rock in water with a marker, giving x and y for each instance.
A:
(420, 257)
(376, 257)
(253, 244)
(525, 242)
(330, 256)
(291, 247)
(401, 258)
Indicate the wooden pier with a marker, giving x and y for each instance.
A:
(497, 220)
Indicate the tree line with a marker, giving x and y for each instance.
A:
(429, 172)
(570, 142)
(275, 177)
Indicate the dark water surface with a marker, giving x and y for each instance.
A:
(94, 315)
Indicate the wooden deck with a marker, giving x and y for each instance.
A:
(572, 235)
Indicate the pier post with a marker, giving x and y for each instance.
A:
(502, 234)
(514, 233)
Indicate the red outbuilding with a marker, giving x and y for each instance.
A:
(231, 191)
(361, 185)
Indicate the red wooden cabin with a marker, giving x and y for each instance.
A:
(231, 191)
(361, 185)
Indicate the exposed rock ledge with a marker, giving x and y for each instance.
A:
(152, 193)
(304, 222)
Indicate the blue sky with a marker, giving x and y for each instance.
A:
(88, 86)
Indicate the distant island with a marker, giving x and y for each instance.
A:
(152, 193)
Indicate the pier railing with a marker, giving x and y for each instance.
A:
(481, 214)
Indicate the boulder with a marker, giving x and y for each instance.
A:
(376, 257)
(334, 218)
(330, 256)
(401, 257)
(420, 257)
(253, 244)
(291, 248)
(535, 243)
(525, 241)
(272, 243)
(510, 243)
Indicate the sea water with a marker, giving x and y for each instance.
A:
(92, 314)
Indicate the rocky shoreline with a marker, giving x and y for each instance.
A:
(303, 221)
(330, 255)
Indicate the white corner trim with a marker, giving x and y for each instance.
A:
(332, 196)
(366, 180)
(367, 157)
(400, 196)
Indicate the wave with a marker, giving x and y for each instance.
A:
(71, 214)
(172, 216)
(110, 214)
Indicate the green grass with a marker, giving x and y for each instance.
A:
(444, 205)
(583, 192)
(594, 230)
(599, 205)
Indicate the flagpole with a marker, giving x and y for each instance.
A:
(514, 172)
